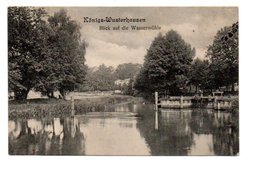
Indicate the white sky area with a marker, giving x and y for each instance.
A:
(196, 25)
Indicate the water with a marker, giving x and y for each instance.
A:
(132, 129)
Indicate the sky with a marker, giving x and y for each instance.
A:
(196, 25)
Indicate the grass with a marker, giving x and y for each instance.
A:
(57, 107)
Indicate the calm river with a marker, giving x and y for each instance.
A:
(132, 129)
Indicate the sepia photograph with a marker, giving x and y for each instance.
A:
(123, 81)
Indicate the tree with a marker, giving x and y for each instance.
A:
(127, 70)
(45, 56)
(141, 84)
(198, 75)
(101, 79)
(128, 89)
(166, 65)
(223, 55)
(64, 56)
(26, 36)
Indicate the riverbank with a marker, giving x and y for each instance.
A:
(56, 107)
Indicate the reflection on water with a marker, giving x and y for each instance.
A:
(53, 137)
(132, 129)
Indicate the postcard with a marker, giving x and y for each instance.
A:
(123, 81)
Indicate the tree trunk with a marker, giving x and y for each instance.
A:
(21, 95)
(48, 95)
(51, 94)
(63, 93)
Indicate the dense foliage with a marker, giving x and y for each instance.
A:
(127, 70)
(221, 68)
(26, 38)
(223, 55)
(43, 55)
(199, 74)
(103, 78)
(99, 79)
(166, 65)
(169, 67)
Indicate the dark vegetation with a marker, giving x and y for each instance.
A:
(44, 55)
(54, 107)
(166, 65)
(103, 78)
(169, 67)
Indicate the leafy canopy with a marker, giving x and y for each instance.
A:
(166, 65)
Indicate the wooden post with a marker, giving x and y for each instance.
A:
(156, 100)
(218, 105)
(215, 102)
(181, 101)
(156, 126)
(72, 106)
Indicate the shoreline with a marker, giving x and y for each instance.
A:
(55, 107)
